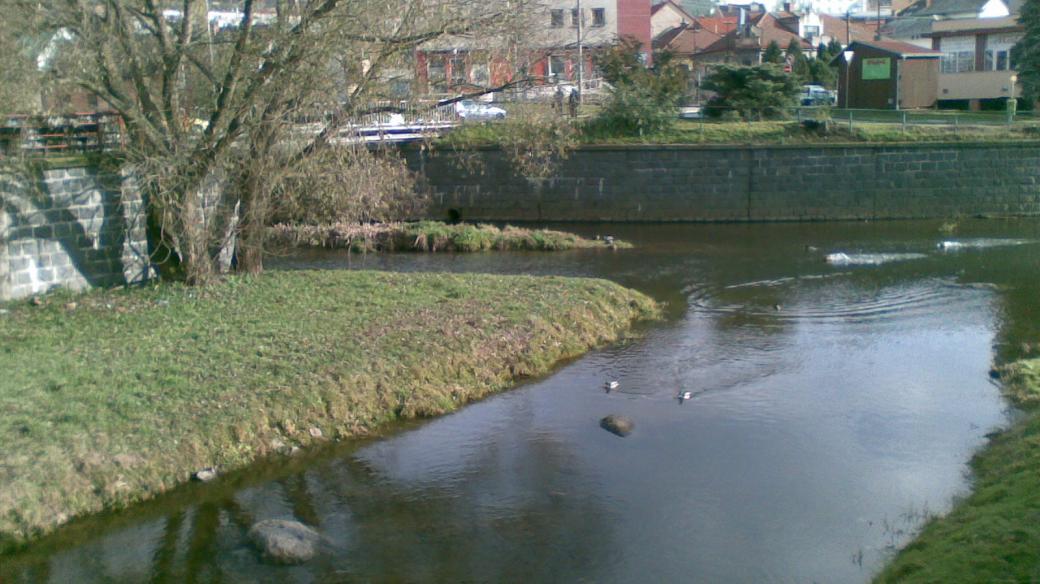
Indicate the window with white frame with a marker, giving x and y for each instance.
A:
(556, 18)
(574, 17)
(958, 55)
(998, 52)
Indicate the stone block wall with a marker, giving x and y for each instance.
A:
(73, 227)
(743, 183)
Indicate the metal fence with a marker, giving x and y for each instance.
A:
(909, 118)
(60, 134)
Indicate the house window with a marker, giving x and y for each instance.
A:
(1002, 62)
(574, 17)
(556, 18)
(458, 71)
(481, 74)
(599, 17)
(965, 61)
(435, 73)
(812, 31)
(958, 62)
(558, 68)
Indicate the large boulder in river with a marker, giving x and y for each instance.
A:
(619, 425)
(283, 541)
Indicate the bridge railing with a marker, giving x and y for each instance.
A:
(39, 135)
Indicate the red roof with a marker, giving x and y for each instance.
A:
(835, 27)
(685, 39)
(769, 30)
(718, 24)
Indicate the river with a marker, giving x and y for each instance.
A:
(835, 405)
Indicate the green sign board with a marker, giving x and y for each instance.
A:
(879, 68)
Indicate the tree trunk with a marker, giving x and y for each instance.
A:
(194, 243)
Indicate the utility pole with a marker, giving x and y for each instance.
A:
(877, 33)
(581, 55)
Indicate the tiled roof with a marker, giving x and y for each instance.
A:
(899, 48)
(685, 39)
(944, 7)
(835, 27)
(975, 25)
(770, 30)
(718, 24)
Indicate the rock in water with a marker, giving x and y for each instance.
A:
(283, 541)
(205, 475)
(619, 425)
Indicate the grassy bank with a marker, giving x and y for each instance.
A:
(122, 395)
(994, 534)
(767, 133)
(432, 236)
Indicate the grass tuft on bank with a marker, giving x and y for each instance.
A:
(433, 236)
(111, 397)
(994, 534)
(765, 133)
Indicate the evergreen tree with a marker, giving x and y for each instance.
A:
(1026, 54)
(773, 54)
(800, 67)
(758, 92)
(834, 47)
(641, 99)
(822, 73)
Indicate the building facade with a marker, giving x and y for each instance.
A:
(888, 75)
(547, 52)
(976, 70)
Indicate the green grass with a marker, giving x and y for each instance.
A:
(994, 534)
(432, 236)
(123, 395)
(768, 132)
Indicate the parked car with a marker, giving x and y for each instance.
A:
(817, 95)
(471, 111)
(691, 112)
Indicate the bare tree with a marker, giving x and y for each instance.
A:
(216, 117)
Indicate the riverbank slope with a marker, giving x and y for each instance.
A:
(994, 534)
(112, 397)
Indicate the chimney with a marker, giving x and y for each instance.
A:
(787, 6)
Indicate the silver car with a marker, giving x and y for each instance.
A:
(471, 111)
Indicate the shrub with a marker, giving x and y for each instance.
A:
(759, 92)
(642, 99)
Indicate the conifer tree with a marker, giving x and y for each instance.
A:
(1026, 54)
(773, 54)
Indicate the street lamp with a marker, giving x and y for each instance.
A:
(1012, 102)
(581, 55)
(848, 67)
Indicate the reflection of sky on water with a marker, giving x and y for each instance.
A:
(831, 406)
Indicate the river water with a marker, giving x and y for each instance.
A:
(835, 405)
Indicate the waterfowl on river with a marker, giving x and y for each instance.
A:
(611, 385)
(685, 395)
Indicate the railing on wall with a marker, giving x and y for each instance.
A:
(60, 134)
(923, 117)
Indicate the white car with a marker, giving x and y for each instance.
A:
(472, 111)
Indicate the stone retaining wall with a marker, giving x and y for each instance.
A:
(743, 183)
(71, 227)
